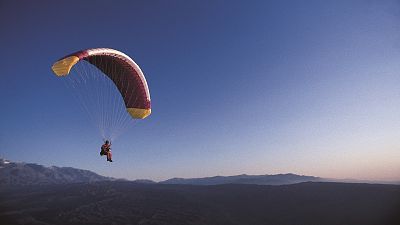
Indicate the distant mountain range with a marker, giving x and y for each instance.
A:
(81, 197)
(278, 179)
(16, 173)
(20, 173)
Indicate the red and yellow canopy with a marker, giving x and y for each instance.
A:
(121, 69)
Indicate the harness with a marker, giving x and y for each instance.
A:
(104, 149)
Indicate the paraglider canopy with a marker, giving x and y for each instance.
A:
(121, 69)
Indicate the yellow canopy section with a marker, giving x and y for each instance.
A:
(63, 66)
(139, 113)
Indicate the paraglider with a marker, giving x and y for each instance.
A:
(106, 150)
(110, 86)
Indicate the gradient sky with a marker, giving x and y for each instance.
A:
(255, 87)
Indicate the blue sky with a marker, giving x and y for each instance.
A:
(257, 87)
